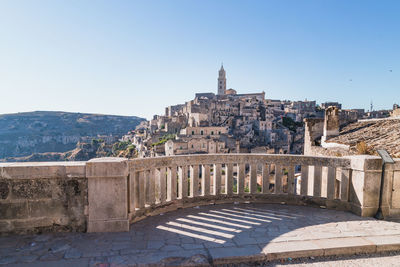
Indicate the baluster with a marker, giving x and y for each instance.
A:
(183, 182)
(162, 184)
(194, 180)
(265, 179)
(253, 178)
(337, 183)
(171, 183)
(146, 175)
(217, 179)
(304, 180)
(136, 190)
(331, 183)
(142, 189)
(131, 191)
(205, 181)
(240, 180)
(344, 184)
(290, 180)
(152, 186)
(317, 181)
(278, 179)
(229, 178)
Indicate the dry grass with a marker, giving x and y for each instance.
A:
(364, 149)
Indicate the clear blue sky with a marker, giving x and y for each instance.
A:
(136, 57)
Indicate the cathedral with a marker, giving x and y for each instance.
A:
(221, 81)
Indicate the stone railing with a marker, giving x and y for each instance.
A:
(156, 185)
(108, 194)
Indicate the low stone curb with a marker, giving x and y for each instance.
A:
(318, 248)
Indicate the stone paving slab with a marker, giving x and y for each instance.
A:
(205, 235)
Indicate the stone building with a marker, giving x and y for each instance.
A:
(226, 122)
(396, 111)
(331, 104)
(211, 131)
(333, 137)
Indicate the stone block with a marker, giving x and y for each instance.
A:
(5, 226)
(107, 167)
(108, 195)
(42, 170)
(293, 249)
(372, 182)
(108, 198)
(108, 226)
(365, 162)
(4, 189)
(230, 255)
(345, 246)
(46, 208)
(29, 224)
(396, 190)
(16, 210)
(357, 188)
(385, 243)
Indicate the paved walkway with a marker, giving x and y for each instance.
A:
(218, 234)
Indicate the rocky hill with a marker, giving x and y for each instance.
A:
(84, 151)
(24, 134)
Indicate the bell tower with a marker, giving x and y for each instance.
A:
(221, 81)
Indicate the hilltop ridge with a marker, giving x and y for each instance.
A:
(22, 134)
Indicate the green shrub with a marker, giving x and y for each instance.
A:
(164, 139)
(291, 124)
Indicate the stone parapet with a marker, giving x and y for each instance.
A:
(37, 197)
(108, 194)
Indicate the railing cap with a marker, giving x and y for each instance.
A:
(108, 159)
(365, 162)
(107, 167)
(33, 170)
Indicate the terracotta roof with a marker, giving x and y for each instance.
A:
(382, 134)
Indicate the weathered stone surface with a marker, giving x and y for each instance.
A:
(385, 243)
(16, 210)
(48, 207)
(4, 189)
(108, 195)
(107, 167)
(72, 253)
(57, 197)
(195, 260)
(37, 205)
(347, 245)
(236, 254)
(59, 246)
(8, 259)
(108, 226)
(5, 226)
(283, 231)
(292, 249)
(30, 189)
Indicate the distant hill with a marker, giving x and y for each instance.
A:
(97, 148)
(22, 134)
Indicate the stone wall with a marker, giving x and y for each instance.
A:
(313, 131)
(40, 197)
(331, 123)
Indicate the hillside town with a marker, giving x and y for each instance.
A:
(230, 122)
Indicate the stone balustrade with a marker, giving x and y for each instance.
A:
(108, 194)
